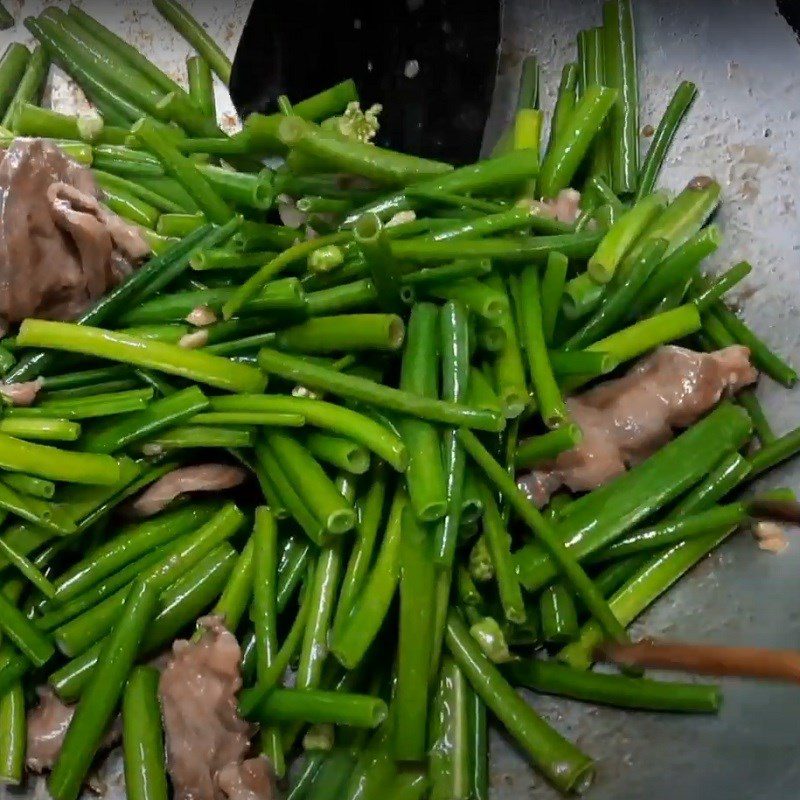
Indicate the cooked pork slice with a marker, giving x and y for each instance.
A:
(21, 394)
(770, 537)
(47, 727)
(565, 207)
(207, 741)
(60, 248)
(184, 480)
(250, 780)
(626, 420)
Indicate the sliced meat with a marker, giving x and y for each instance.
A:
(565, 206)
(250, 780)
(626, 420)
(47, 727)
(770, 537)
(21, 394)
(207, 742)
(199, 478)
(81, 213)
(60, 248)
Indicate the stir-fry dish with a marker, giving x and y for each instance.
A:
(306, 470)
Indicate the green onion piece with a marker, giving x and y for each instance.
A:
(316, 706)
(410, 701)
(548, 395)
(350, 642)
(597, 519)
(143, 737)
(665, 133)
(454, 347)
(567, 564)
(12, 67)
(580, 129)
(622, 235)
(311, 483)
(201, 85)
(560, 762)
(498, 542)
(619, 51)
(548, 445)
(374, 393)
(565, 100)
(191, 364)
(331, 151)
(191, 30)
(184, 171)
(27, 569)
(425, 478)
(12, 734)
(558, 615)
(614, 690)
(54, 464)
(99, 701)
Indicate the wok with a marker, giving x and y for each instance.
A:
(745, 58)
(743, 130)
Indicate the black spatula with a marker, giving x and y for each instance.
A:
(431, 63)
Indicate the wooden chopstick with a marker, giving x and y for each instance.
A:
(776, 510)
(704, 659)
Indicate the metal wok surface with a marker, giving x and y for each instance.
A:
(743, 131)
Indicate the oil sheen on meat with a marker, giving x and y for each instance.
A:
(626, 420)
(47, 726)
(207, 741)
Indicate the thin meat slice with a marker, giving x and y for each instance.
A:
(60, 248)
(565, 207)
(21, 394)
(770, 537)
(624, 421)
(97, 232)
(184, 480)
(250, 780)
(207, 742)
(47, 727)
